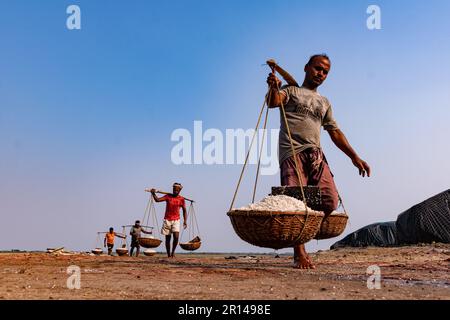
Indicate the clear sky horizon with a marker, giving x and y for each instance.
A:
(86, 116)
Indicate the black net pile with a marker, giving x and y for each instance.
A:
(382, 234)
(426, 222)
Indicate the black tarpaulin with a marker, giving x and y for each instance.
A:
(425, 222)
(381, 234)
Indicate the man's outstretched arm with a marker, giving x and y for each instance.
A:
(339, 139)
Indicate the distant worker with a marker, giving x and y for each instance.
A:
(109, 239)
(171, 224)
(135, 233)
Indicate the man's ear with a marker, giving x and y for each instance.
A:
(306, 67)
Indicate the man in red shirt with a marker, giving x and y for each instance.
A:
(171, 224)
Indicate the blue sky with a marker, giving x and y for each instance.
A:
(86, 115)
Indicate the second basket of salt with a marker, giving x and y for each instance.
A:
(276, 222)
(332, 226)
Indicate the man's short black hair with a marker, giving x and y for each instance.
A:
(321, 55)
(137, 221)
(111, 229)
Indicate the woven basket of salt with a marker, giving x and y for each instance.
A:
(149, 242)
(97, 251)
(122, 251)
(275, 229)
(192, 245)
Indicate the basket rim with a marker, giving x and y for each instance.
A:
(338, 214)
(190, 246)
(237, 212)
(189, 243)
(147, 238)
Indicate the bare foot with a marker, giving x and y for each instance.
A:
(301, 258)
(312, 265)
(303, 261)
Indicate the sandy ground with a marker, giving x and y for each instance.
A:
(419, 272)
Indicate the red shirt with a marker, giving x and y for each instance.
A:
(173, 205)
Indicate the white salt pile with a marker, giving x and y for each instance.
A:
(149, 252)
(276, 203)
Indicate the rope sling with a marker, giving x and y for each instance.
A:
(123, 250)
(98, 241)
(193, 231)
(98, 248)
(123, 240)
(150, 210)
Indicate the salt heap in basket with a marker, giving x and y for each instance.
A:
(280, 203)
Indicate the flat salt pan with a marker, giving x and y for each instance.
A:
(276, 203)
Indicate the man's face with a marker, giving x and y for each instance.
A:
(176, 190)
(137, 224)
(317, 71)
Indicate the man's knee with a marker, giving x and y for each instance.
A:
(330, 202)
(329, 193)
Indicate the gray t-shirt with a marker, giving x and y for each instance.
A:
(306, 111)
(135, 232)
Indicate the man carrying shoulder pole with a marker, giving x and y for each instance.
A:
(171, 224)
